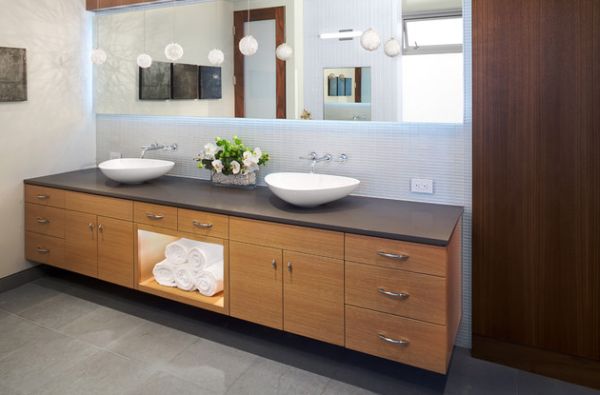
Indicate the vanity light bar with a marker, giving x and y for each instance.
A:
(342, 34)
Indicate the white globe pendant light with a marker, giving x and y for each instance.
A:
(248, 45)
(370, 40)
(98, 56)
(392, 47)
(174, 51)
(144, 60)
(216, 57)
(284, 52)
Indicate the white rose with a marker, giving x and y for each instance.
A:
(249, 158)
(210, 151)
(257, 153)
(217, 165)
(235, 167)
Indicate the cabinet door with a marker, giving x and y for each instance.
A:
(81, 248)
(255, 279)
(115, 251)
(314, 297)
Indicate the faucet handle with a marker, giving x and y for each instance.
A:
(342, 158)
(312, 156)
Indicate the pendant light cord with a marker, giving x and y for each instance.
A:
(249, 18)
(97, 24)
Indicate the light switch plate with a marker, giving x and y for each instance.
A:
(115, 155)
(421, 185)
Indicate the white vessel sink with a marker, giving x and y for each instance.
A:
(135, 171)
(308, 189)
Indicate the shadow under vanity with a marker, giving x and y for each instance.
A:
(377, 276)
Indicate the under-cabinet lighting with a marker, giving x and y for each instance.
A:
(344, 34)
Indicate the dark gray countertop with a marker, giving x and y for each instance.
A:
(393, 219)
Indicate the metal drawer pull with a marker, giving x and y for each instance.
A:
(42, 197)
(395, 295)
(290, 267)
(399, 342)
(201, 225)
(154, 216)
(397, 257)
(41, 220)
(41, 250)
(274, 264)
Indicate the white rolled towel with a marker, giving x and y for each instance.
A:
(203, 255)
(209, 281)
(163, 273)
(177, 252)
(184, 279)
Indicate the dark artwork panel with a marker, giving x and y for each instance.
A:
(210, 83)
(13, 74)
(333, 86)
(341, 86)
(348, 87)
(155, 82)
(185, 81)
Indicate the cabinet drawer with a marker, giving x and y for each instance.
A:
(395, 254)
(99, 205)
(45, 196)
(412, 295)
(45, 220)
(378, 334)
(155, 215)
(202, 223)
(288, 237)
(44, 249)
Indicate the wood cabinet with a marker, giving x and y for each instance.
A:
(389, 298)
(313, 295)
(256, 282)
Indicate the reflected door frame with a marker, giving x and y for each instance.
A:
(239, 19)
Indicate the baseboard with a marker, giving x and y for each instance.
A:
(23, 277)
(569, 368)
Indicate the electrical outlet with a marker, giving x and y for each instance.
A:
(115, 155)
(421, 185)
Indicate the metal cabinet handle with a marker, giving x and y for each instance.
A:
(100, 228)
(155, 217)
(290, 267)
(201, 225)
(398, 342)
(274, 264)
(397, 257)
(41, 250)
(42, 221)
(42, 197)
(91, 226)
(395, 295)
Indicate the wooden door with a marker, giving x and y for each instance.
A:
(314, 297)
(255, 278)
(81, 248)
(115, 251)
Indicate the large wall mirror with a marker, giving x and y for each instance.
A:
(327, 75)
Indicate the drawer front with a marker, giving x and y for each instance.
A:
(45, 196)
(99, 205)
(412, 295)
(395, 254)
(45, 249)
(378, 334)
(45, 220)
(155, 215)
(292, 238)
(202, 223)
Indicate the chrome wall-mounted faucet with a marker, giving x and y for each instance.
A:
(157, 147)
(315, 158)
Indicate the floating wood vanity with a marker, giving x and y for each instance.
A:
(378, 276)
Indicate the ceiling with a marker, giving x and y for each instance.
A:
(427, 6)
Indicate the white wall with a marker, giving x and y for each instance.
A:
(54, 130)
(198, 27)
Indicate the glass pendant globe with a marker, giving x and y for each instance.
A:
(284, 52)
(216, 57)
(173, 51)
(370, 40)
(144, 61)
(248, 45)
(98, 56)
(392, 47)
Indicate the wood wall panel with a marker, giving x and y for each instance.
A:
(92, 5)
(536, 180)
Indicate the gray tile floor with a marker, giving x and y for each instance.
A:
(76, 336)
